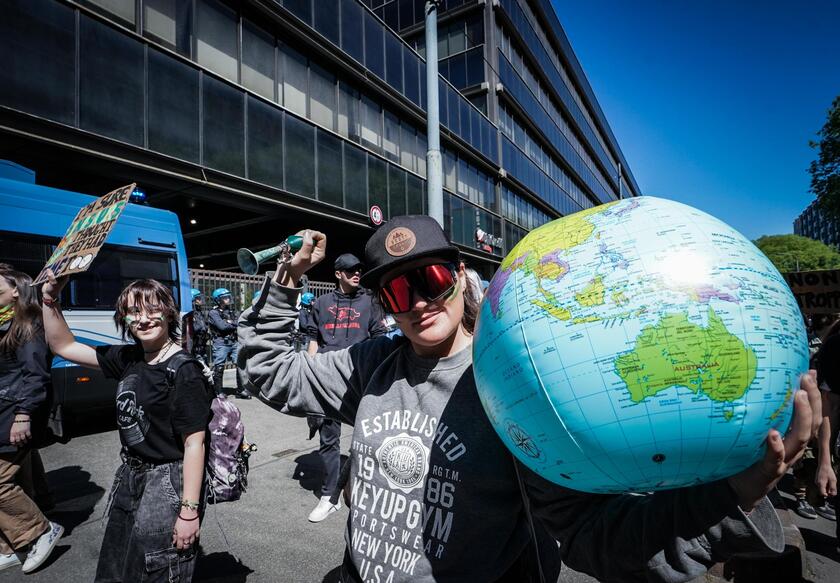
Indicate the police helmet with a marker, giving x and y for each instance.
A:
(307, 298)
(195, 293)
(220, 292)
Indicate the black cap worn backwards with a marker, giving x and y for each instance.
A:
(347, 261)
(415, 239)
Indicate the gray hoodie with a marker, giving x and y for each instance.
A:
(435, 495)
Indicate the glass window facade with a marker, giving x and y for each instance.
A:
(110, 82)
(552, 67)
(124, 11)
(330, 162)
(265, 143)
(352, 41)
(295, 81)
(326, 19)
(216, 44)
(294, 122)
(39, 81)
(300, 8)
(322, 97)
(173, 107)
(258, 66)
(355, 178)
(299, 161)
(552, 125)
(169, 22)
(224, 126)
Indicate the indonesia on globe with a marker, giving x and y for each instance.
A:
(637, 346)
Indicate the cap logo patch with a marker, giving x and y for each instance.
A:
(400, 241)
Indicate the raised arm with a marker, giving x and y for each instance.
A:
(675, 535)
(57, 332)
(328, 384)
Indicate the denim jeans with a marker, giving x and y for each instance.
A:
(223, 350)
(137, 546)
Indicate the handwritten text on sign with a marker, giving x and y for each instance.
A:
(86, 234)
(816, 292)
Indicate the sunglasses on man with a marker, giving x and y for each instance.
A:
(431, 282)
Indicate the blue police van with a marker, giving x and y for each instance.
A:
(145, 243)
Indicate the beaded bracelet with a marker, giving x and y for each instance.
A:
(189, 505)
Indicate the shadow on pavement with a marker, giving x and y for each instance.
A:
(332, 576)
(819, 543)
(220, 567)
(54, 556)
(75, 496)
(309, 471)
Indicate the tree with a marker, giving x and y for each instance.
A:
(796, 253)
(825, 170)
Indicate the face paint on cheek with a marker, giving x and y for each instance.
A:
(455, 289)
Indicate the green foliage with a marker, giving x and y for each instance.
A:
(825, 170)
(796, 253)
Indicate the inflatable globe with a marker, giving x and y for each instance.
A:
(637, 346)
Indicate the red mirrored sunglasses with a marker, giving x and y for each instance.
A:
(431, 283)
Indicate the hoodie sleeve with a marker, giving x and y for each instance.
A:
(376, 326)
(666, 537)
(312, 323)
(33, 357)
(328, 384)
(221, 326)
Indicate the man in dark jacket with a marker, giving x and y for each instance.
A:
(338, 320)
(221, 321)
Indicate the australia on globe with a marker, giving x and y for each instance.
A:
(637, 346)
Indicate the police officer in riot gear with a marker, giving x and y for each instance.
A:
(221, 321)
(199, 324)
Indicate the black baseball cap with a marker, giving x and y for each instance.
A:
(408, 239)
(347, 261)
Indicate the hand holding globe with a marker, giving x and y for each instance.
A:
(644, 345)
(754, 483)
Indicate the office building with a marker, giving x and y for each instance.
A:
(814, 224)
(253, 119)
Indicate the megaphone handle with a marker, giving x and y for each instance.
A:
(295, 242)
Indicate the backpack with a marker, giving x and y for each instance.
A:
(228, 452)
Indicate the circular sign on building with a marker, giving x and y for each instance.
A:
(375, 215)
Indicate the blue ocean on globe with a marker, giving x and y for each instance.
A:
(636, 346)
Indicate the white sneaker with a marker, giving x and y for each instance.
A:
(42, 548)
(324, 509)
(7, 561)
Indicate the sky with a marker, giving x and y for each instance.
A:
(713, 103)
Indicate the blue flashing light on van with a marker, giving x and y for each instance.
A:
(145, 243)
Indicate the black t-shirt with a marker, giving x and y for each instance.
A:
(151, 417)
(828, 364)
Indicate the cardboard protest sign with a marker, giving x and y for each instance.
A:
(88, 231)
(816, 292)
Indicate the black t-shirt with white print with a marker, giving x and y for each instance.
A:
(152, 417)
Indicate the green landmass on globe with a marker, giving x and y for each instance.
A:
(678, 352)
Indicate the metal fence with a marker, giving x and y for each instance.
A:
(241, 286)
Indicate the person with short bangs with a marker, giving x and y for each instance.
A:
(155, 502)
(435, 495)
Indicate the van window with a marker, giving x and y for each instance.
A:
(98, 287)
